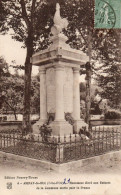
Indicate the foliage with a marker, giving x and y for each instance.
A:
(3, 67)
(12, 91)
(4, 73)
(50, 117)
(113, 114)
(82, 91)
(29, 137)
(12, 88)
(104, 46)
(95, 104)
(25, 18)
(82, 108)
(45, 131)
(84, 134)
(111, 84)
(109, 79)
(95, 109)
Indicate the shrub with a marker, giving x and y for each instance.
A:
(45, 131)
(113, 114)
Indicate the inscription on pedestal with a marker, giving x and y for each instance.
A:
(50, 80)
(68, 90)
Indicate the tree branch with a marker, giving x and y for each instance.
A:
(9, 104)
(33, 7)
(24, 13)
(32, 11)
(39, 4)
(83, 37)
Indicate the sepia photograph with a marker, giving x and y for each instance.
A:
(60, 97)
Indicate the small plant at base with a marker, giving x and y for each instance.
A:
(84, 133)
(45, 131)
(28, 137)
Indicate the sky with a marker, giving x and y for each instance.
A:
(11, 50)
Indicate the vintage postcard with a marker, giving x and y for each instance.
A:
(60, 97)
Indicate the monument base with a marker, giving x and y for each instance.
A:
(61, 128)
(37, 125)
(78, 124)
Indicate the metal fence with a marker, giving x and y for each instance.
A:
(60, 149)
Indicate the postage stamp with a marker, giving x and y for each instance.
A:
(107, 14)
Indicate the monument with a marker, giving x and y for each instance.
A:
(59, 80)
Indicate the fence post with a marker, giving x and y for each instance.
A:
(113, 138)
(59, 151)
(4, 140)
(75, 146)
(103, 131)
(94, 139)
(102, 140)
(110, 136)
(106, 139)
(98, 138)
(116, 138)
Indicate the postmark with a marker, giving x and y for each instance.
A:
(107, 14)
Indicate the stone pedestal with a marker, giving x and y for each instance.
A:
(59, 96)
(61, 127)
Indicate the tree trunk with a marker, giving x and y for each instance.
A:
(88, 81)
(27, 87)
(15, 115)
(88, 86)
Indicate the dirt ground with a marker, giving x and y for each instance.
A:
(110, 167)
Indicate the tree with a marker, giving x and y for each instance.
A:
(100, 45)
(111, 84)
(109, 78)
(3, 67)
(25, 17)
(4, 73)
(82, 91)
(88, 88)
(12, 92)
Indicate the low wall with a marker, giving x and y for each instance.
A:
(98, 122)
(12, 125)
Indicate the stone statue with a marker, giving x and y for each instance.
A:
(59, 23)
